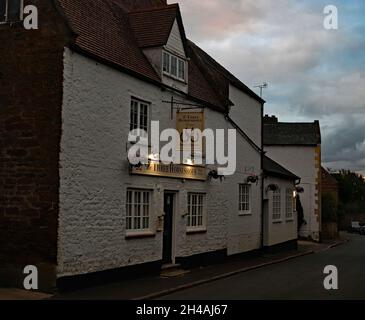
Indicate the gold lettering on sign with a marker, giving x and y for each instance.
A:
(171, 171)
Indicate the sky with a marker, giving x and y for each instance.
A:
(313, 73)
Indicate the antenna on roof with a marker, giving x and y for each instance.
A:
(262, 86)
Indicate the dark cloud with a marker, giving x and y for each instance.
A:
(313, 73)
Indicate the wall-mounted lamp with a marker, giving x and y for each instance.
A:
(299, 189)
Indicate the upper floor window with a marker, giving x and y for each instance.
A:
(174, 66)
(276, 204)
(10, 10)
(244, 203)
(139, 115)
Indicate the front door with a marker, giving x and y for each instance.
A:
(168, 227)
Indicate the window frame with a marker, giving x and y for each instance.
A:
(277, 210)
(21, 13)
(242, 197)
(289, 202)
(130, 207)
(179, 60)
(139, 103)
(197, 228)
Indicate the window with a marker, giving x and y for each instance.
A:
(174, 66)
(289, 203)
(10, 10)
(166, 62)
(244, 203)
(196, 210)
(139, 115)
(181, 74)
(276, 204)
(138, 210)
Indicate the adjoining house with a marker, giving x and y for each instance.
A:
(280, 216)
(72, 204)
(297, 147)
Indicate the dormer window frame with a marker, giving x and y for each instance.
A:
(5, 19)
(177, 60)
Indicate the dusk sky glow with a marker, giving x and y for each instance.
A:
(313, 73)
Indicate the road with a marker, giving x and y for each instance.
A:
(301, 278)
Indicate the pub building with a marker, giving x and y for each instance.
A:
(75, 207)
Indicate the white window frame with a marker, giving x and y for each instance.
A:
(138, 222)
(202, 212)
(178, 61)
(289, 203)
(244, 199)
(140, 103)
(21, 12)
(276, 205)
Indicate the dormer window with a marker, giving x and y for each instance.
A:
(174, 66)
(11, 10)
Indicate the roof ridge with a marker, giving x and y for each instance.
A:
(162, 8)
(229, 75)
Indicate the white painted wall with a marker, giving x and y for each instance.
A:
(285, 230)
(301, 160)
(175, 43)
(94, 178)
(247, 113)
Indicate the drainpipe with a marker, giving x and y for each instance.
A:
(262, 177)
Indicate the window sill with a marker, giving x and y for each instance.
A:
(196, 231)
(175, 78)
(244, 213)
(290, 220)
(140, 235)
(277, 221)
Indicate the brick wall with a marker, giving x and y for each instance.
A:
(31, 75)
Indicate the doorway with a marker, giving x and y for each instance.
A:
(169, 205)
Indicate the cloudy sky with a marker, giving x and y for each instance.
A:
(313, 73)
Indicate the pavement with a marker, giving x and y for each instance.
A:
(155, 287)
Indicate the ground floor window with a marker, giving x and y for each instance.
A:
(196, 208)
(276, 204)
(244, 202)
(289, 203)
(138, 210)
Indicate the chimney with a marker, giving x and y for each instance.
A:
(270, 119)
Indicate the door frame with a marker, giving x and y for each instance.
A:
(174, 193)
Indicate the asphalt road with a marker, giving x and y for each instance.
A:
(301, 278)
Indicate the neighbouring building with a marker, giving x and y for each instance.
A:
(330, 202)
(279, 206)
(297, 147)
(71, 91)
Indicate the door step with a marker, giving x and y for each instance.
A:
(172, 271)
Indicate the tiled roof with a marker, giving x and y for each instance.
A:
(214, 69)
(272, 168)
(152, 28)
(115, 31)
(103, 30)
(279, 133)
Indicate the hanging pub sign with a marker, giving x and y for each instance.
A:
(180, 171)
(186, 125)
